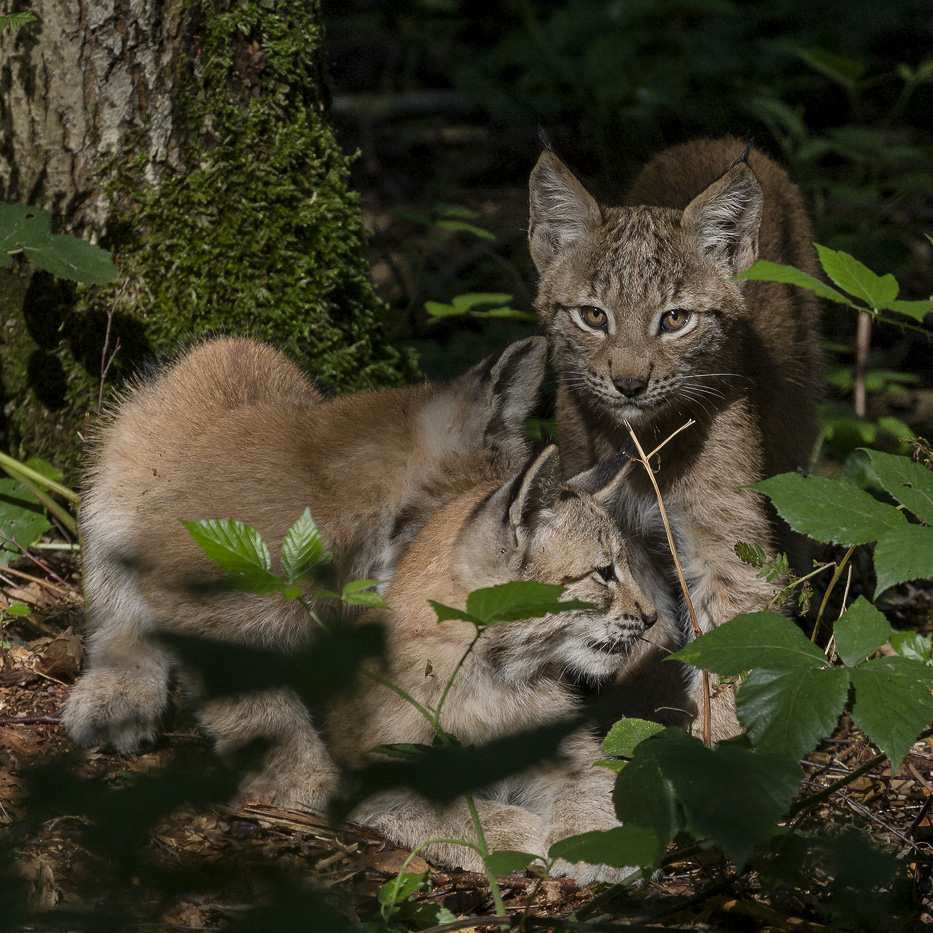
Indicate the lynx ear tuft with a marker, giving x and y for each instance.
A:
(726, 217)
(534, 489)
(560, 210)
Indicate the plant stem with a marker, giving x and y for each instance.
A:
(431, 718)
(18, 470)
(450, 680)
(862, 343)
(697, 631)
(835, 579)
(484, 851)
(800, 580)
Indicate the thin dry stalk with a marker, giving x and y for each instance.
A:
(862, 343)
(697, 631)
(106, 362)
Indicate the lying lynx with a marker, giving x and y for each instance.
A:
(532, 527)
(645, 324)
(235, 430)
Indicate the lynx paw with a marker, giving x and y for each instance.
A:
(584, 873)
(116, 708)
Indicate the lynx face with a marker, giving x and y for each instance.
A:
(563, 536)
(638, 302)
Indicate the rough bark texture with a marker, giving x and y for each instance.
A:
(191, 139)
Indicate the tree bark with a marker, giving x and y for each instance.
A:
(192, 140)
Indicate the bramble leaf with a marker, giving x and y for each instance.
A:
(914, 646)
(626, 734)
(520, 599)
(861, 630)
(908, 482)
(904, 554)
(857, 279)
(238, 550)
(789, 711)
(765, 271)
(621, 847)
(756, 639)
(893, 703)
(303, 550)
(829, 510)
(506, 861)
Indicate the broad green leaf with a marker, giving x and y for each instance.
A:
(461, 226)
(446, 613)
(74, 259)
(830, 511)
(861, 630)
(730, 795)
(238, 550)
(369, 600)
(908, 482)
(438, 309)
(903, 554)
(303, 550)
(459, 211)
(620, 847)
(520, 599)
(757, 639)
(893, 703)
(643, 796)
(790, 711)
(402, 886)
(626, 734)
(765, 271)
(18, 609)
(506, 861)
(22, 520)
(22, 226)
(470, 300)
(913, 646)
(357, 586)
(918, 310)
(857, 279)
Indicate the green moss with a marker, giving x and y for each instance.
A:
(258, 234)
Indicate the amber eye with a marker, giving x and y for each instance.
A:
(593, 316)
(673, 321)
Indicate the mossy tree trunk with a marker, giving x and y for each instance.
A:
(191, 139)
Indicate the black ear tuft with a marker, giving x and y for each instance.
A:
(534, 489)
(605, 479)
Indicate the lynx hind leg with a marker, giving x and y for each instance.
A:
(411, 821)
(121, 699)
(296, 769)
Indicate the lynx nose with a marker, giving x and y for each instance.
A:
(649, 620)
(631, 388)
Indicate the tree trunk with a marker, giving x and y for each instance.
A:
(192, 140)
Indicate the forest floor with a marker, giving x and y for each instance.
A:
(203, 867)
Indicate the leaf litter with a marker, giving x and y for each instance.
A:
(211, 866)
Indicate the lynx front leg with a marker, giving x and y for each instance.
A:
(296, 769)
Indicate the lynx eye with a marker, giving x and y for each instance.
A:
(593, 317)
(608, 574)
(674, 321)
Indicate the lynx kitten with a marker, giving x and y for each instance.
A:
(235, 430)
(646, 324)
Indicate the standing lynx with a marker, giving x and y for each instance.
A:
(646, 324)
(235, 430)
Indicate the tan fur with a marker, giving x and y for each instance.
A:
(745, 367)
(530, 528)
(235, 430)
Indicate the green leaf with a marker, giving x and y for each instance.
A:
(22, 519)
(15, 20)
(913, 646)
(406, 751)
(839, 68)
(893, 703)
(903, 554)
(918, 310)
(730, 795)
(766, 271)
(460, 226)
(756, 639)
(643, 796)
(506, 861)
(626, 734)
(402, 886)
(620, 847)
(861, 630)
(74, 259)
(471, 300)
(238, 550)
(790, 711)
(357, 593)
(446, 613)
(857, 279)
(520, 599)
(16, 609)
(303, 551)
(828, 510)
(909, 483)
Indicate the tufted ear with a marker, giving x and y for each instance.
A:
(726, 217)
(605, 479)
(537, 487)
(560, 210)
